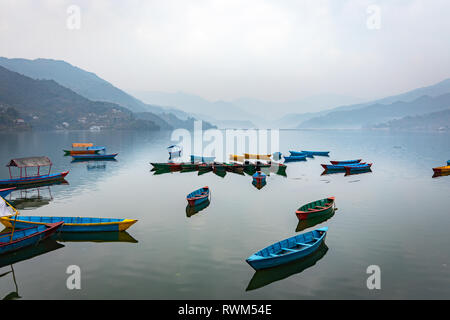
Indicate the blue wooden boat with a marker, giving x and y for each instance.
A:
(202, 159)
(448, 162)
(357, 168)
(71, 224)
(5, 192)
(198, 196)
(259, 177)
(94, 156)
(346, 161)
(301, 153)
(317, 153)
(340, 167)
(288, 250)
(24, 178)
(294, 158)
(18, 239)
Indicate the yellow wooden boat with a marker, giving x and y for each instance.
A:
(235, 157)
(71, 224)
(443, 169)
(257, 156)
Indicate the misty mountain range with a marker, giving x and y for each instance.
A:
(52, 94)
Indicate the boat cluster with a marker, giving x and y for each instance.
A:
(25, 231)
(347, 166)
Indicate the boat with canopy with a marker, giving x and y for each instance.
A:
(24, 178)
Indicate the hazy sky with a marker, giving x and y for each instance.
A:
(225, 49)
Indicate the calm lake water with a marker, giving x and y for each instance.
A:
(396, 217)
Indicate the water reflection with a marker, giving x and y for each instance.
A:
(30, 198)
(442, 174)
(309, 223)
(121, 236)
(259, 184)
(12, 258)
(192, 210)
(265, 277)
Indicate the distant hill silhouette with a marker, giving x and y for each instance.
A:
(45, 104)
(311, 119)
(378, 113)
(439, 120)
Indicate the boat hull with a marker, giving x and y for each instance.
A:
(317, 153)
(198, 196)
(94, 156)
(312, 241)
(71, 224)
(443, 169)
(27, 237)
(77, 152)
(34, 179)
(294, 158)
(5, 192)
(316, 209)
(346, 161)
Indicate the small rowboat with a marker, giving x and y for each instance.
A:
(288, 250)
(317, 153)
(94, 156)
(340, 167)
(315, 209)
(442, 169)
(257, 156)
(361, 167)
(5, 192)
(346, 161)
(265, 277)
(71, 224)
(202, 159)
(300, 153)
(18, 239)
(198, 196)
(294, 158)
(259, 177)
(89, 149)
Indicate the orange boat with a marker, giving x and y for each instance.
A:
(87, 148)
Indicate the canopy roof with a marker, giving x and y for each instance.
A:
(82, 145)
(29, 162)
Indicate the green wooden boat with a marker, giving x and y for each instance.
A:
(316, 208)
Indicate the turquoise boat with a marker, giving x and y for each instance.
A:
(265, 277)
(317, 153)
(300, 153)
(71, 224)
(294, 158)
(288, 250)
(94, 157)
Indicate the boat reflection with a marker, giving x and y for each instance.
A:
(12, 258)
(259, 184)
(441, 174)
(120, 236)
(309, 223)
(30, 198)
(191, 210)
(357, 172)
(264, 277)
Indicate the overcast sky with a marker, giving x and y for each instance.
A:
(226, 49)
